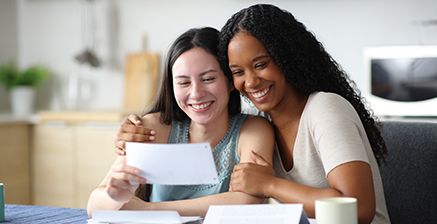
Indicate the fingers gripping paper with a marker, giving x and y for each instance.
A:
(173, 164)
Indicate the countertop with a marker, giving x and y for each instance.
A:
(67, 116)
(81, 116)
(6, 118)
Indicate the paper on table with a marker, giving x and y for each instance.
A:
(173, 164)
(103, 216)
(260, 214)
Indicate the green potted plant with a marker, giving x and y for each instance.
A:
(22, 85)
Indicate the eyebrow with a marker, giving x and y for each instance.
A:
(201, 74)
(253, 60)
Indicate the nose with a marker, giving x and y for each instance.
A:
(252, 80)
(197, 91)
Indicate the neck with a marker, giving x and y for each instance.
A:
(288, 112)
(212, 132)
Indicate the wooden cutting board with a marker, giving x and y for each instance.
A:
(141, 81)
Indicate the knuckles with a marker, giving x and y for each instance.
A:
(124, 176)
(112, 181)
(119, 152)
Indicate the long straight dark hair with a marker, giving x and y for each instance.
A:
(165, 102)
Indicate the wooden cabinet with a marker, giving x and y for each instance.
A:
(53, 159)
(70, 158)
(14, 162)
(95, 156)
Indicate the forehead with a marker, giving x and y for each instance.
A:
(244, 44)
(194, 62)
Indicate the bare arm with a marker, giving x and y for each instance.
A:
(353, 179)
(115, 193)
(115, 190)
(256, 135)
(332, 126)
(194, 207)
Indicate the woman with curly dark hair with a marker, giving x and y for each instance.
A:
(328, 143)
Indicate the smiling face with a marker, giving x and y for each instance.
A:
(255, 73)
(200, 87)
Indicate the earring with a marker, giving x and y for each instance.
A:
(247, 101)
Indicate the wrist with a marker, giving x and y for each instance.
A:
(269, 191)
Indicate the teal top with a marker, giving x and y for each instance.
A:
(225, 157)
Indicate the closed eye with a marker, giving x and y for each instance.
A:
(183, 83)
(209, 79)
(261, 65)
(237, 72)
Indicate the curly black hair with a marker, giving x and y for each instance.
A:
(302, 59)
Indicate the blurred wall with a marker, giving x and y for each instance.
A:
(52, 31)
(8, 40)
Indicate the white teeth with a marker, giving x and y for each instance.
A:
(260, 94)
(201, 106)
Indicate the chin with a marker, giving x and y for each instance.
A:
(201, 120)
(264, 107)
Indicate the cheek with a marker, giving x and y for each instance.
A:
(220, 90)
(238, 83)
(178, 95)
(274, 72)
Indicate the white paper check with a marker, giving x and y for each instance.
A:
(173, 164)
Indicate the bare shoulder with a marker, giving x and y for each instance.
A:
(153, 121)
(257, 124)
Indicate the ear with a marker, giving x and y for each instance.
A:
(232, 88)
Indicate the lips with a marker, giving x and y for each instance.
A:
(261, 93)
(201, 106)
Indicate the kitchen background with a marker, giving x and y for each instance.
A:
(59, 155)
(53, 32)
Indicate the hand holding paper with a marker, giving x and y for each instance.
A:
(173, 164)
(118, 185)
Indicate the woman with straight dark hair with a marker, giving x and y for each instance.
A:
(196, 103)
